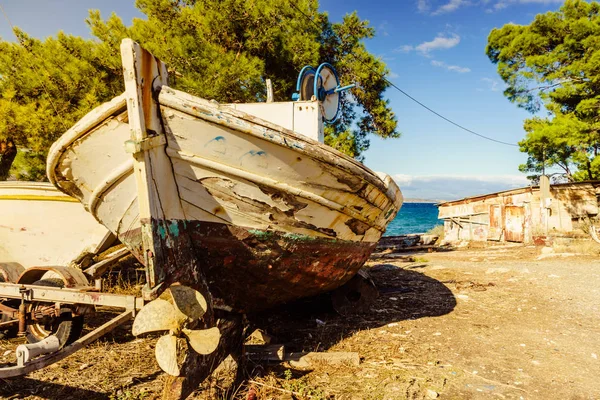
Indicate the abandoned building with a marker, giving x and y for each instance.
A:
(522, 215)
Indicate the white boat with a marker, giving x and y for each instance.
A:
(266, 207)
(247, 212)
(41, 226)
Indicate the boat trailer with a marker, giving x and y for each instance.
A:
(47, 306)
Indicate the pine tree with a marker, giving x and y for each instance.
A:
(554, 63)
(216, 49)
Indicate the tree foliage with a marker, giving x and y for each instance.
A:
(45, 87)
(554, 63)
(216, 49)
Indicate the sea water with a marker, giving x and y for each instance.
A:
(414, 218)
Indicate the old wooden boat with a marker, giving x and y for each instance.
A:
(41, 226)
(229, 207)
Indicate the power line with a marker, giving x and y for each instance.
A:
(406, 94)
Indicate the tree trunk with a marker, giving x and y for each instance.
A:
(8, 152)
(589, 170)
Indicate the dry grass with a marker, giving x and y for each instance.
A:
(127, 277)
(577, 246)
(407, 341)
(116, 367)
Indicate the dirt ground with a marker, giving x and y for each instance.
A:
(504, 322)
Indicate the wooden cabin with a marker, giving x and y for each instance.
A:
(521, 215)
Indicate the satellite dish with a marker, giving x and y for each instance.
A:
(324, 84)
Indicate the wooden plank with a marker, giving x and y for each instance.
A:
(153, 172)
(270, 352)
(99, 268)
(311, 359)
(168, 250)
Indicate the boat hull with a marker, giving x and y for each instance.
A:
(272, 216)
(40, 226)
(250, 270)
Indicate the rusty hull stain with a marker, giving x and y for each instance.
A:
(249, 270)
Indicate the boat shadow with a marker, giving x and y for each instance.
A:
(25, 387)
(312, 324)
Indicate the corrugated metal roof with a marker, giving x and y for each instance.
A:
(514, 191)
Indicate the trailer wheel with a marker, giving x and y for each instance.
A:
(11, 331)
(66, 327)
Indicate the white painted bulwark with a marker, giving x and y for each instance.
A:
(40, 226)
(303, 117)
(223, 160)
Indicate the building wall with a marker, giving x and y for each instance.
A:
(519, 215)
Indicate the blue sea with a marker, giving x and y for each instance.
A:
(414, 218)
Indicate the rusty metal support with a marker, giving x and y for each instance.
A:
(8, 323)
(53, 296)
(8, 311)
(22, 314)
(71, 296)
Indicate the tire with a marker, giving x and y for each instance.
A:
(66, 327)
(11, 331)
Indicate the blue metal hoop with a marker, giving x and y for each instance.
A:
(320, 91)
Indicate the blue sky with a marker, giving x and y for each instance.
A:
(435, 50)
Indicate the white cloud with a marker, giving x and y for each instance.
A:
(494, 85)
(404, 49)
(501, 4)
(439, 42)
(382, 29)
(451, 6)
(423, 6)
(393, 75)
(454, 68)
(454, 187)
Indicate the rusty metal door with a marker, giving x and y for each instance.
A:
(495, 228)
(514, 224)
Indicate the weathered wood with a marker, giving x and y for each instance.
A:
(198, 367)
(271, 352)
(277, 353)
(99, 268)
(594, 233)
(269, 91)
(311, 359)
(377, 191)
(211, 190)
(259, 337)
(393, 252)
(153, 173)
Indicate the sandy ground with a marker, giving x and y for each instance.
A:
(493, 323)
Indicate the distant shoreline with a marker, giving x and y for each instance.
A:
(422, 201)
